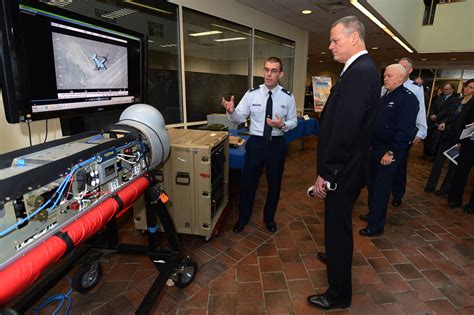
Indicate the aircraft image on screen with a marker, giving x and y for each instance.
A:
(88, 64)
(100, 62)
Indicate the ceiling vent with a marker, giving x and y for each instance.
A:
(330, 6)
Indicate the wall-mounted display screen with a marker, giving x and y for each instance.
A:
(57, 63)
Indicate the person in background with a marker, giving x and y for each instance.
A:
(466, 153)
(400, 177)
(272, 112)
(394, 130)
(450, 127)
(439, 109)
(343, 146)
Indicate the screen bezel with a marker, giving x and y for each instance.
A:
(17, 97)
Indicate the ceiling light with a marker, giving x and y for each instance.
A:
(205, 33)
(453, 58)
(323, 53)
(423, 59)
(147, 7)
(372, 17)
(375, 48)
(321, 61)
(306, 11)
(229, 39)
(396, 59)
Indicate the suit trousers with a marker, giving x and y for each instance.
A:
(380, 185)
(259, 153)
(400, 178)
(338, 242)
(461, 174)
(437, 168)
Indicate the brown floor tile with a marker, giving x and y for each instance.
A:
(250, 293)
(395, 256)
(379, 293)
(318, 278)
(251, 309)
(394, 282)
(247, 273)
(365, 275)
(284, 242)
(273, 281)
(223, 304)
(411, 302)
(289, 255)
(408, 271)
(437, 278)
(225, 284)
(425, 290)
(381, 265)
(362, 304)
(442, 307)
(267, 249)
(421, 262)
(294, 271)
(268, 264)
(278, 302)
(391, 309)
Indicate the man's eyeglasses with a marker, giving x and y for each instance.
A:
(272, 71)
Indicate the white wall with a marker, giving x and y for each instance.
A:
(452, 30)
(15, 136)
(241, 14)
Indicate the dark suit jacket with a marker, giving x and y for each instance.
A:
(346, 126)
(442, 108)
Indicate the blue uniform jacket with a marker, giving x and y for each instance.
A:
(395, 124)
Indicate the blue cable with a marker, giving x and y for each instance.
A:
(60, 189)
(98, 137)
(56, 297)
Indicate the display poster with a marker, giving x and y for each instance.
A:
(321, 89)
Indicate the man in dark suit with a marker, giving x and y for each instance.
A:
(345, 132)
(440, 110)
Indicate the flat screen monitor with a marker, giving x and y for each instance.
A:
(58, 63)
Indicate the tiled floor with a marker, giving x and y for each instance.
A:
(423, 264)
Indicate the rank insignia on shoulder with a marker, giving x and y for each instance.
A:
(254, 89)
(286, 91)
(417, 84)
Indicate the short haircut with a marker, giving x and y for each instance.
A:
(398, 68)
(351, 24)
(412, 64)
(275, 60)
(450, 85)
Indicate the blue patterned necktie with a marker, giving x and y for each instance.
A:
(267, 130)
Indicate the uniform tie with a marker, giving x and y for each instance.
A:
(267, 130)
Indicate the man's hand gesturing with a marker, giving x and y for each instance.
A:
(228, 105)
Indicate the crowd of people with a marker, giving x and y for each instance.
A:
(366, 133)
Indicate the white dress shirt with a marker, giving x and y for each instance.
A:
(254, 103)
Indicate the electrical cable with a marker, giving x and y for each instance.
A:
(56, 297)
(46, 133)
(29, 133)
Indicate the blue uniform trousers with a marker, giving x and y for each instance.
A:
(400, 178)
(259, 153)
(379, 186)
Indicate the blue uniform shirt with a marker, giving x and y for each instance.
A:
(254, 103)
(395, 122)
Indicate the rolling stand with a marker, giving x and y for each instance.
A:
(169, 262)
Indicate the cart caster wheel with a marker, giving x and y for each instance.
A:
(87, 277)
(185, 272)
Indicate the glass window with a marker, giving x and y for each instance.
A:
(267, 45)
(468, 74)
(216, 54)
(159, 20)
(449, 73)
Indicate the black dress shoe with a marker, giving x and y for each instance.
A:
(321, 301)
(370, 232)
(468, 209)
(453, 205)
(322, 257)
(428, 190)
(238, 227)
(271, 226)
(396, 202)
(364, 217)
